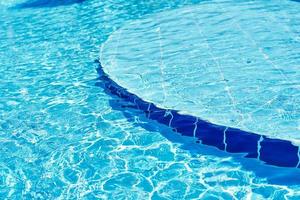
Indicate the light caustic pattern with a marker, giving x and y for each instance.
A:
(232, 63)
(60, 137)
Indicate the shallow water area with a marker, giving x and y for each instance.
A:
(232, 63)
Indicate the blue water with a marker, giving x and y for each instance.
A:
(232, 63)
(63, 137)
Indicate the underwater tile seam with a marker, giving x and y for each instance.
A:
(277, 152)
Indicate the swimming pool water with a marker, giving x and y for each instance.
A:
(231, 63)
(63, 137)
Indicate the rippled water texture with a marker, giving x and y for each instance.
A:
(63, 137)
(231, 63)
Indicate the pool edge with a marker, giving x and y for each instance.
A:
(277, 152)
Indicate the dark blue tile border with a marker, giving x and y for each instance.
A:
(47, 3)
(275, 152)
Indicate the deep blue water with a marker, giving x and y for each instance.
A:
(46, 3)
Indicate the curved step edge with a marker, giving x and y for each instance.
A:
(277, 152)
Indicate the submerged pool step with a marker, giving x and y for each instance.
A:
(216, 61)
(275, 152)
